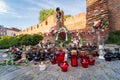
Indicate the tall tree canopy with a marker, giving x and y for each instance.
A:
(66, 16)
(44, 14)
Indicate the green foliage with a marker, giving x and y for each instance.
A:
(64, 41)
(44, 14)
(25, 39)
(114, 38)
(36, 39)
(66, 16)
(8, 41)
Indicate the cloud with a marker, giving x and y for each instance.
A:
(7, 10)
(71, 8)
(3, 7)
(68, 8)
(41, 5)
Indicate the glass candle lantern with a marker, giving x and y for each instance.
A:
(91, 60)
(4, 54)
(116, 50)
(60, 57)
(83, 55)
(42, 66)
(64, 66)
(74, 61)
(95, 53)
(53, 60)
(23, 56)
(85, 63)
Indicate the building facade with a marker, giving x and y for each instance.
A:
(2, 30)
(12, 31)
(8, 31)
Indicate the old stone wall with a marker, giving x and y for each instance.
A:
(40, 28)
(72, 23)
(114, 14)
(96, 9)
(107, 9)
(77, 22)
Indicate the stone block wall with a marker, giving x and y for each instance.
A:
(40, 28)
(76, 22)
(114, 14)
(72, 23)
(96, 9)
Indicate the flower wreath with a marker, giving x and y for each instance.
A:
(61, 35)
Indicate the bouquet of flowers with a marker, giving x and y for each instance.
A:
(99, 24)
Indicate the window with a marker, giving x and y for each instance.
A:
(46, 23)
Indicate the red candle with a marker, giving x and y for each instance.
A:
(85, 63)
(91, 61)
(64, 66)
(60, 57)
(53, 60)
(74, 61)
(83, 55)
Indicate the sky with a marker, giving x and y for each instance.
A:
(25, 13)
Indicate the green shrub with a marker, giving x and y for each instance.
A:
(114, 38)
(8, 41)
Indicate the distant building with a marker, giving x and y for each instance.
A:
(2, 30)
(12, 31)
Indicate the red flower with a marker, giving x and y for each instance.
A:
(61, 35)
(97, 24)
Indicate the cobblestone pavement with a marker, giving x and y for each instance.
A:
(102, 70)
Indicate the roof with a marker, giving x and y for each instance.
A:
(14, 29)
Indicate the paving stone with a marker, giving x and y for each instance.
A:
(84, 75)
(11, 75)
(50, 77)
(110, 73)
(25, 77)
(91, 71)
(102, 70)
(100, 74)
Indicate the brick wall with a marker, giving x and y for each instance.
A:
(72, 23)
(76, 22)
(96, 9)
(114, 14)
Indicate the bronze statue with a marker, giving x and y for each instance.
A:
(59, 17)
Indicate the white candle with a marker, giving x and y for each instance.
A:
(66, 56)
(101, 52)
(42, 66)
(4, 55)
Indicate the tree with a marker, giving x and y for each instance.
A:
(44, 14)
(66, 16)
